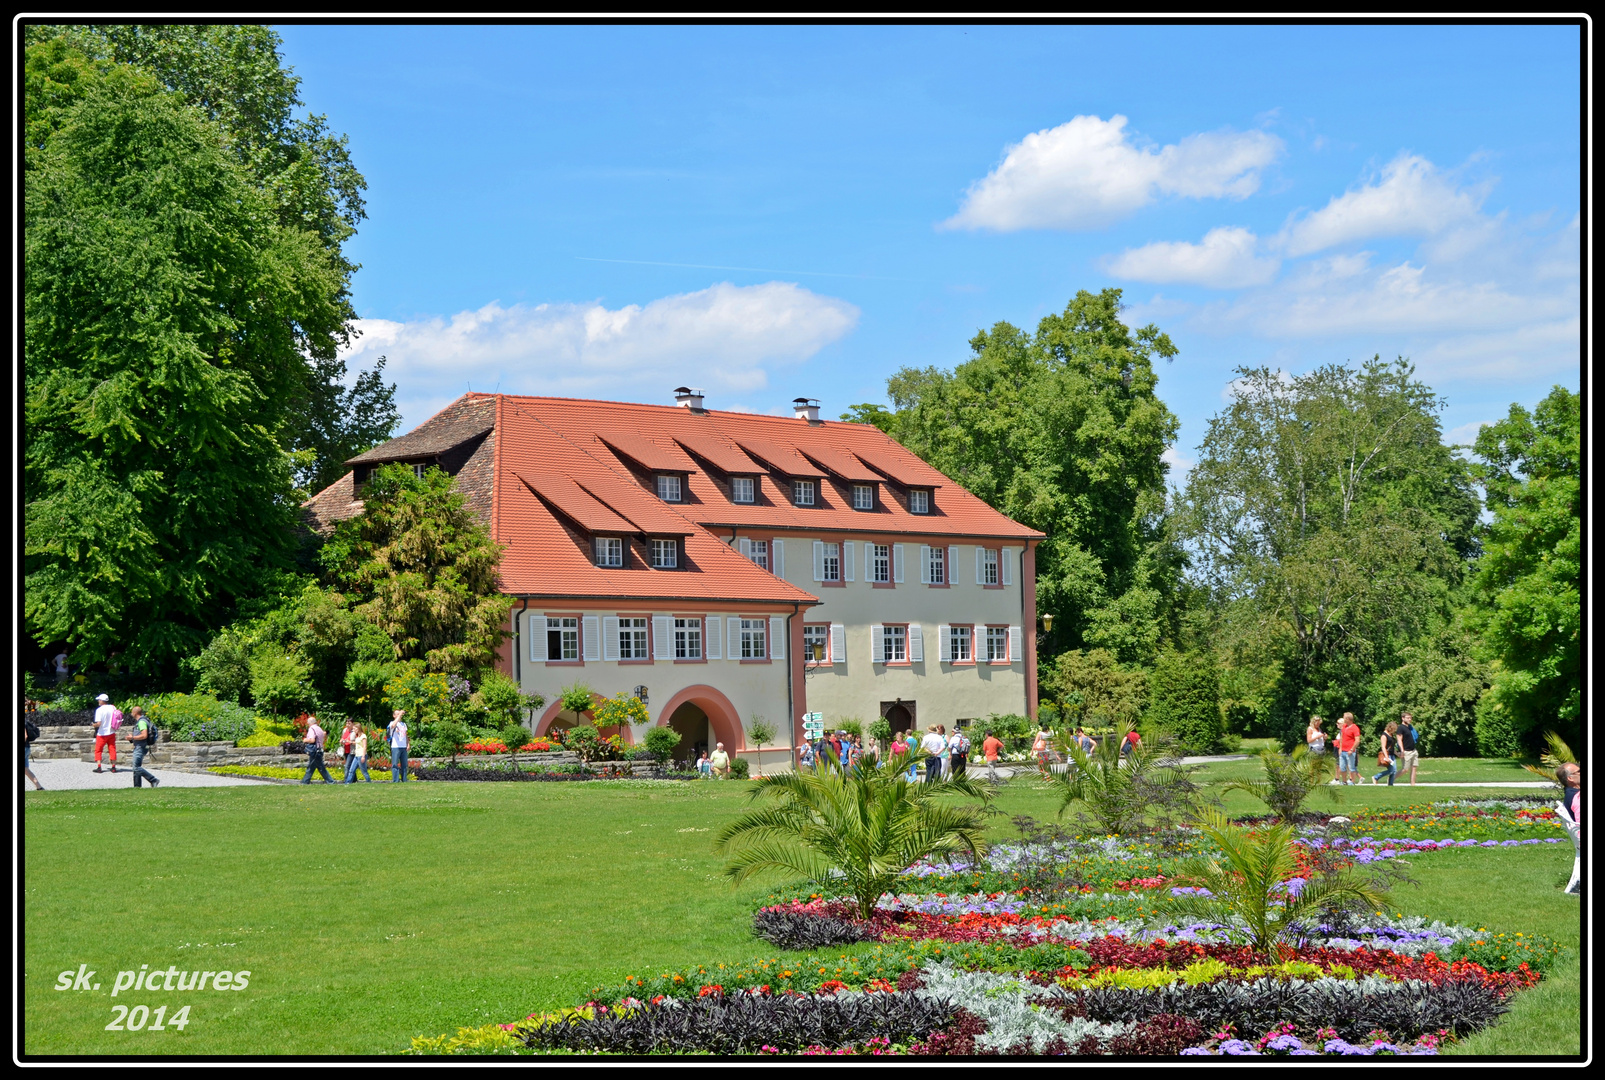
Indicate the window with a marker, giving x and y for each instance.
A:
(958, 644)
(753, 646)
(997, 643)
(609, 551)
(632, 639)
(802, 492)
(880, 562)
(989, 566)
(831, 564)
(688, 639)
(919, 501)
(816, 642)
(894, 644)
(562, 639)
(863, 497)
(760, 552)
(669, 488)
(665, 554)
(418, 469)
(936, 568)
(741, 489)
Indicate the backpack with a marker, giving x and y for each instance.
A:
(31, 728)
(149, 741)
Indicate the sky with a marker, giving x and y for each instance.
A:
(773, 212)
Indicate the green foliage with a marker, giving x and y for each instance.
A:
(761, 733)
(880, 729)
(1095, 689)
(1007, 725)
(279, 680)
(1556, 753)
(1185, 700)
(585, 741)
(872, 414)
(1289, 780)
(621, 710)
(1062, 431)
(739, 768)
(224, 666)
(423, 570)
(852, 725)
(662, 741)
(447, 738)
(502, 699)
(577, 699)
(1246, 883)
(1439, 682)
(870, 824)
(1125, 795)
(1530, 572)
(421, 693)
(199, 717)
(1507, 951)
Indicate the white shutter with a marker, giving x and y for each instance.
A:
(944, 644)
(610, 637)
(744, 546)
(897, 563)
(1015, 648)
(735, 637)
(711, 629)
(1006, 557)
(916, 644)
(838, 643)
(537, 637)
(777, 557)
(662, 637)
(952, 567)
(819, 560)
(777, 637)
(980, 566)
(869, 561)
(875, 643)
(593, 636)
(925, 564)
(848, 555)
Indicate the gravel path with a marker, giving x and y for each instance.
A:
(69, 775)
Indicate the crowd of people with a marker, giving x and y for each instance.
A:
(1396, 749)
(354, 749)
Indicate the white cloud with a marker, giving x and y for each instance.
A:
(1535, 349)
(1086, 173)
(1411, 198)
(1465, 434)
(1179, 466)
(1225, 259)
(725, 337)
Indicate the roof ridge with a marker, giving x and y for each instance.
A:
(674, 408)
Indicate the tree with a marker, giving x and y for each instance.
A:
(1095, 689)
(577, 700)
(505, 704)
(1440, 682)
(662, 741)
(1289, 779)
(870, 824)
(1126, 794)
(341, 422)
(759, 732)
(1062, 431)
(423, 570)
(1184, 700)
(1530, 571)
(1326, 515)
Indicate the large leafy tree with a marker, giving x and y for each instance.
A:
(168, 310)
(420, 567)
(1329, 523)
(1530, 571)
(1062, 431)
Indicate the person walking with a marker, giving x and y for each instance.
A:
(719, 762)
(1409, 759)
(30, 732)
(359, 754)
(1388, 754)
(1570, 775)
(143, 743)
(1039, 747)
(61, 667)
(991, 747)
(396, 736)
(1348, 745)
(1129, 745)
(314, 747)
(107, 719)
(348, 753)
(934, 744)
(958, 747)
(855, 752)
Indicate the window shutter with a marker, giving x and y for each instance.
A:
(1006, 557)
(925, 564)
(662, 637)
(897, 563)
(537, 637)
(610, 637)
(711, 629)
(869, 561)
(592, 636)
(876, 633)
(848, 555)
(944, 644)
(777, 637)
(952, 566)
(819, 560)
(980, 566)
(744, 546)
(777, 557)
(838, 644)
(916, 644)
(735, 637)
(1015, 648)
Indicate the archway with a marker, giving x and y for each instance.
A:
(695, 731)
(721, 716)
(557, 718)
(899, 715)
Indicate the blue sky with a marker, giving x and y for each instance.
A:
(774, 212)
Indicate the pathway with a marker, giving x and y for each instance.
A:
(68, 775)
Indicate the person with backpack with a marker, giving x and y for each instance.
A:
(314, 747)
(144, 740)
(958, 747)
(107, 720)
(30, 734)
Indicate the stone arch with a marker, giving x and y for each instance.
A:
(727, 726)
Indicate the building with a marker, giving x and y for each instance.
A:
(725, 566)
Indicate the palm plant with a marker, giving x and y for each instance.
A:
(1289, 779)
(870, 824)
(1124, 794)
(1552, 759)
(1246, 884)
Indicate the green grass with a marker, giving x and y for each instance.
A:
(368, 915)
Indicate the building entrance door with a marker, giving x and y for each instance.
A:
(696, 733)
(899, 714)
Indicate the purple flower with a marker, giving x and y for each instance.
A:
(1509, 843)
(1195, 1051)
(1533, 841)
(1285, 1042)
(1238, 1048)
(1489, 843)
(1467, 843)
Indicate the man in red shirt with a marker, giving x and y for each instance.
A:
(991, 747)
(1348, 750)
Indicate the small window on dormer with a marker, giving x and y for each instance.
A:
(669, 488)
(802, 492)
(742, 489)
(665, 554)
(919, 501)
(863, 497)
(609, 551)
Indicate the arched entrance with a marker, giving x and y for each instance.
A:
(696, 732)
(558, 719)
(721, 721)
(899, 714)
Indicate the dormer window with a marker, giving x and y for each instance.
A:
(863, 496)
(668, 487)
(609, 551)
(919, 501)
(743, 489)
(665, 554)
(802, 492)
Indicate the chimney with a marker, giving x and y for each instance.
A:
(804, 408)
(688, 398)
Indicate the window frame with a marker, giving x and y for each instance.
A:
(887, 637)
(752, 490)
(991, 568)
(924, 498)
(675, 631)
(646, 628)
(936, 556)
(875, 564)
(679, 487)
(839, 579)
(673, 549)
(799, 487)
(597, 544)
(969, 643)
(868, 491)
(1002, 632)
(744, 636)
(579, 638)
(821, 630)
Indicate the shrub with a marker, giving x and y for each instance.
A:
(740, 768)
(585, 742)
(200, 718)
(1507, 952)
(279, 680)
(50, 717)
(661, 741)
(1289, 779)
(802, 931)
(1127, 795)
(621, 711)
(224, 666)
(1184, 699)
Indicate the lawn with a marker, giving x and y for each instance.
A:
(369, 915)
